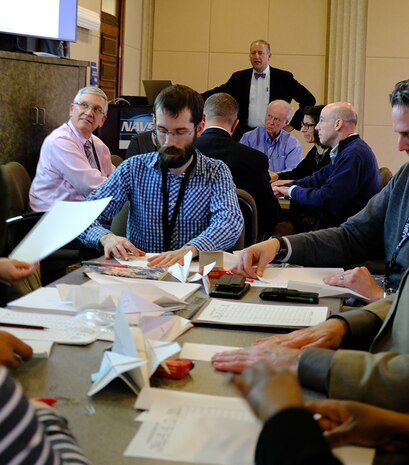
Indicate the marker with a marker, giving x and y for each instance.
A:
(109, 264)
(21, 326)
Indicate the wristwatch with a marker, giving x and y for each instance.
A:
(282, 251)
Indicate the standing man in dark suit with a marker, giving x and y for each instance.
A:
(256, 87)
(248, 166)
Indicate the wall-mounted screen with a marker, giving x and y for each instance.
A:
(50, 19)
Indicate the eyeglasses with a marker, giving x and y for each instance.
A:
(163, 133)
(308, 125)
(275, 119)
(87, 106)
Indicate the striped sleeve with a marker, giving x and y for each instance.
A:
(35, 437)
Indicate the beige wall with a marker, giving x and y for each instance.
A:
(387, 62)
(132, 48)
(87, 45)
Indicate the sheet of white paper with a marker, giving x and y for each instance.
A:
(181, 291)
(324, 290)
(241, 313)
(41, 349)
(279, 276)
(350, 455)
(136, 261)
(204, 352)
(61, 329)
(62, 224)
(44, 300)
(216, 428)
(219, 430)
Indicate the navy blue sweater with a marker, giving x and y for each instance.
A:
(342, 188)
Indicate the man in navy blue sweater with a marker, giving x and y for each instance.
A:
(342, 188)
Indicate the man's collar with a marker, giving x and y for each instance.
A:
(341, 145)
(216, 127)
(79, 136)
(268, 138)
(266, 71)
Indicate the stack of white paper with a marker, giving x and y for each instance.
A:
(198, 428)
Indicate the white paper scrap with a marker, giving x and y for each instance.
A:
(60, 225)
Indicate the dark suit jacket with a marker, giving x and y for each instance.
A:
(140, 143)
(282, 86)
(249, 169)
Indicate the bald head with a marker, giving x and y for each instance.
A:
(338, 120)
(278, 115)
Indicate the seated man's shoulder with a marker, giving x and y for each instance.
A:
(247, 151)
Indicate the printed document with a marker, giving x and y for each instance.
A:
(248, 314)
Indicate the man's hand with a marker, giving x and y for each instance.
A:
(273, 176)
(277, 356)
(281, 191)
(119, 247)
(14, 270)
(268, 391)
(260, 254)
(348, 422)
(359, 280)
(166, 259)
(13, 350)
(327, 335)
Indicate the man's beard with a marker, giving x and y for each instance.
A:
(172, 157)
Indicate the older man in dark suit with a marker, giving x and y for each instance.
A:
(256, 87)
(248, 166)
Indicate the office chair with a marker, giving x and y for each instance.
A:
(248, 209)
(119, 221)
(386, 176)
(20, 221)
(116, 160)
(14, 195)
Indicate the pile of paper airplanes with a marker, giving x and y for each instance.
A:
(139, 349)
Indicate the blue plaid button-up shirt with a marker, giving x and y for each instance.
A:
(209, 217)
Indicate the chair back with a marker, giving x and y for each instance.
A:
(248, 208)
(116, 160)
(119, 221)
(14, 188)
(386, 176)
(17, 187)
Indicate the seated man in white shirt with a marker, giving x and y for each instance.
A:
(73, 162)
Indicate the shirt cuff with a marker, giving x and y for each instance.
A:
(363, 327)
(314, 367)
(290, 190)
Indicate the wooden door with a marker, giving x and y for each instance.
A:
(110, 62)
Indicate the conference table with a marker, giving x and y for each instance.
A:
(105, 424)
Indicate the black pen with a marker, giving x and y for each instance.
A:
(21, 326)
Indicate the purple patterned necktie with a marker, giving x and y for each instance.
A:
(90, 154)
(260, 75)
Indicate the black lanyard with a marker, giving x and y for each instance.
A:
(392, 265)
(169, 226)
